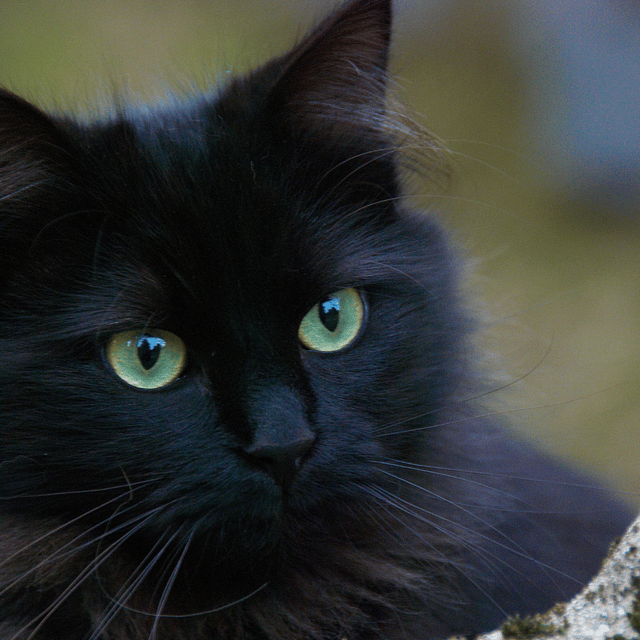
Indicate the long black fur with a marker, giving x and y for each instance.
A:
(128, 514)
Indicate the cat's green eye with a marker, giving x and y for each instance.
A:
(334, 322)
(147, 360)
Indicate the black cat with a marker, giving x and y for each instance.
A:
(235, 378)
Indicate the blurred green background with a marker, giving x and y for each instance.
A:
(556, 281)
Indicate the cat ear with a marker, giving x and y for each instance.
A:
(334, 81)
(32, 149)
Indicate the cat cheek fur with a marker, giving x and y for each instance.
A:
(270, 492)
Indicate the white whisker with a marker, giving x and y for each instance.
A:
(169, 585)
(73, 585)
(408, 509)
(510, 545)
(490, 414)
(118, 602)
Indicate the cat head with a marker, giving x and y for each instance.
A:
(217, 319)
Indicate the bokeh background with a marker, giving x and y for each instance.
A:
(539, 106)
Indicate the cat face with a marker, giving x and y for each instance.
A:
(215, 316)
(235, 398)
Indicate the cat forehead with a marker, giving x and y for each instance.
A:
(204, 185)
(172, 124)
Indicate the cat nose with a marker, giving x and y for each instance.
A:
(282, 457)
(281, 436)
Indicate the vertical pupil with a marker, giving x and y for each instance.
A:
(329, 312)
(149, 351)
